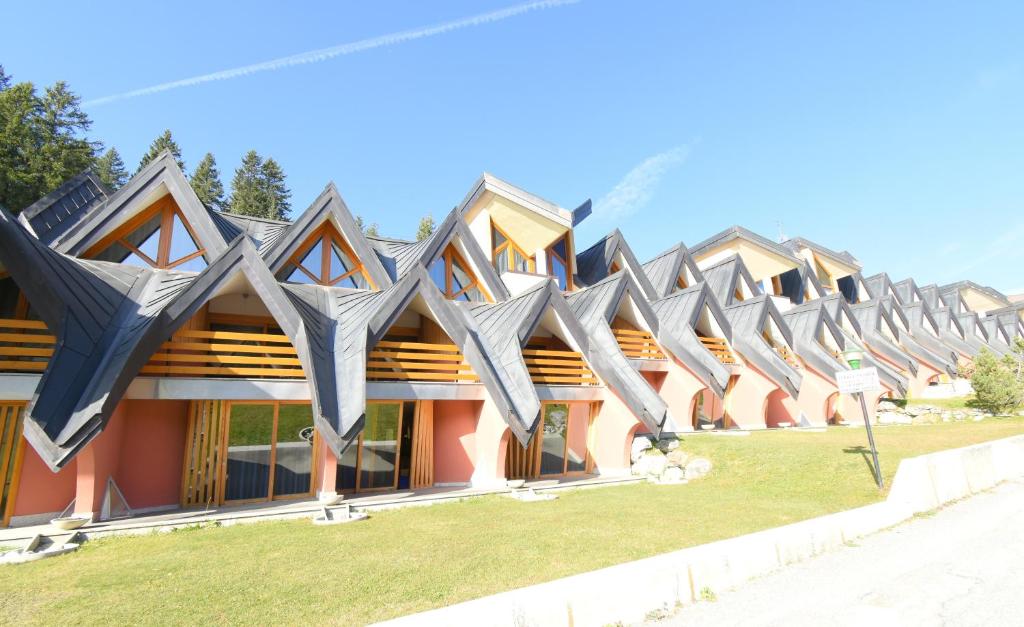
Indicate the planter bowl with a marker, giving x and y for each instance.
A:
(707, 427)
(515, 484)
(329, 499)
(69, 523)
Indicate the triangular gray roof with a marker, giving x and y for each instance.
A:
(842, 314)
(807, 322)
(872, 315)
(963, 285)
(935, 351)
(678, 315)
(594, 263)
(799, 282)
(748, 319)
(663, 271)
(490, 183)
(107, 216)
(262, 232)
(724, 277)
(52, 215)
(328, 207)
(908, 291)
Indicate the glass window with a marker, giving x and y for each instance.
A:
(342, 268)
(182, 244)
(311, 262)
(557, 270)
(150, 246)
(558, 264)
(298, 276)
(293, 460)
(507, 255)
(437, 273)
(380, 446)
(556, 420)
(452, 276)
(9, 294)
(250, 434)
(347, 468)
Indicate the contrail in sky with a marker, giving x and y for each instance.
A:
(324, 54)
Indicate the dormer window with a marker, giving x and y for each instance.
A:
(326, 259)
(558, 266)
(157, 238)
(453, 277)
(507, 255)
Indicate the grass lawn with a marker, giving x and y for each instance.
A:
(414, 559)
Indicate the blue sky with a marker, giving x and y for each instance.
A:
(896, 132)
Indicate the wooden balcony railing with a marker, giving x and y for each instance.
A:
(226, 354)
(637, 344)
(417, 361)
(719, 348)
(25, 345)
(558, 367)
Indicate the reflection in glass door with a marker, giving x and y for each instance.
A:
(269, 451)
(377, 460)
(563, 447)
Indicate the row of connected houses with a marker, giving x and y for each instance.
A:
(159, 354)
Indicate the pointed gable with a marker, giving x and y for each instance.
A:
(688, 319)
(672, 270)
(730, 281)
(817, 339)
(326, 246)
(759, 332)
(607, 256)
(156, 201)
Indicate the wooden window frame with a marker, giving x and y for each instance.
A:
(550, 252)
(565, 449)
(327, 235)
(451, 255)
(15, 447)
(169, 209)
(531, 260)
(225, 432)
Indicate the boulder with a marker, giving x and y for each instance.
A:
(697, 468)
(640, 444)
(673, 474)
(668, 444)
(677, 458)
(652, 463)
(894, 418)
(888, 406)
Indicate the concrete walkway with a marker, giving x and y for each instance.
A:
(963, 565)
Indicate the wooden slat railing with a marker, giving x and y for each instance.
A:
(558, 367)
(417, 361)
(637, 344)
(719, 348)
(25, 345)
(226, 354)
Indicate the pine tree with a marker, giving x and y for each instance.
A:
(160, 144)
(426, 228)
(206, 183)
(110, 169)
(276, 193)
(372, 230)
(42, 141)
(361, 224)
(246, 186)
(998, 383)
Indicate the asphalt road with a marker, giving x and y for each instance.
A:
(963, 565)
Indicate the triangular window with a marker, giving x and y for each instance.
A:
(158, 238)
(453, 277)
(326, 259)
(507, 255)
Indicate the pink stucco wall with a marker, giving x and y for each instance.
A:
(41, 491)
(919, 382)
(455, 425)
(152, 452)
(750, 406)
(813, 399)
(579, 419)
(614, 427)
(678, 387)
(142, 448)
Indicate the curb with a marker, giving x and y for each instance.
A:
(633, 591)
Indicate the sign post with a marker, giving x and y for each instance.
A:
(858, 381)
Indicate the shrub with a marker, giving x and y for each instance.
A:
(998, 383)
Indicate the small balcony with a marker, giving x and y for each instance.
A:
(557, 367)
(788, 355)
(196, 353)
(637, 344)
(719, 348)
(394, 360)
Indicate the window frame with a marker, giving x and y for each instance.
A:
(509, 244)
(327, 236)
(550, 253)
(168, 210)
(450, 254)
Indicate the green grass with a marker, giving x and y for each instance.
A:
(962, 402)
(418, 558)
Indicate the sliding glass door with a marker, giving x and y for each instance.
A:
(269, 451)
(377, 460)
(563, 448)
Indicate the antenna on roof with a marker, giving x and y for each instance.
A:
(782, 236)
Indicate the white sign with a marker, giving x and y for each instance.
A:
(862, 380)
